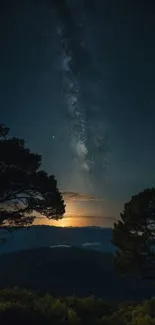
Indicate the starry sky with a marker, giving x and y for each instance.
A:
(77, 82)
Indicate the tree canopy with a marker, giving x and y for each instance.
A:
(25, 189)
(21, 306)
(134, 236)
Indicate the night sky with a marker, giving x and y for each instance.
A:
(77, 82)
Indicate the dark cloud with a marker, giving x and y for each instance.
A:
(97, 217)
(75, 196)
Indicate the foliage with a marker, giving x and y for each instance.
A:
(25, 190)
(25, 307)
(134, 236)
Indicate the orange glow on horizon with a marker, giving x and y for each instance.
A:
(64, 222)
(75, 221)
(73, 218)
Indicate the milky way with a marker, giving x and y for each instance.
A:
(73, 72)
(86, 130)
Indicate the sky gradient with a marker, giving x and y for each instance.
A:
(77, 83)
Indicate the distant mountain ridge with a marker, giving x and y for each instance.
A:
(46, 236)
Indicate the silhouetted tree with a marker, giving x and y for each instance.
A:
(25, 189)
(134, 236)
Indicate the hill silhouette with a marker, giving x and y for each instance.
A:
(69, 271)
